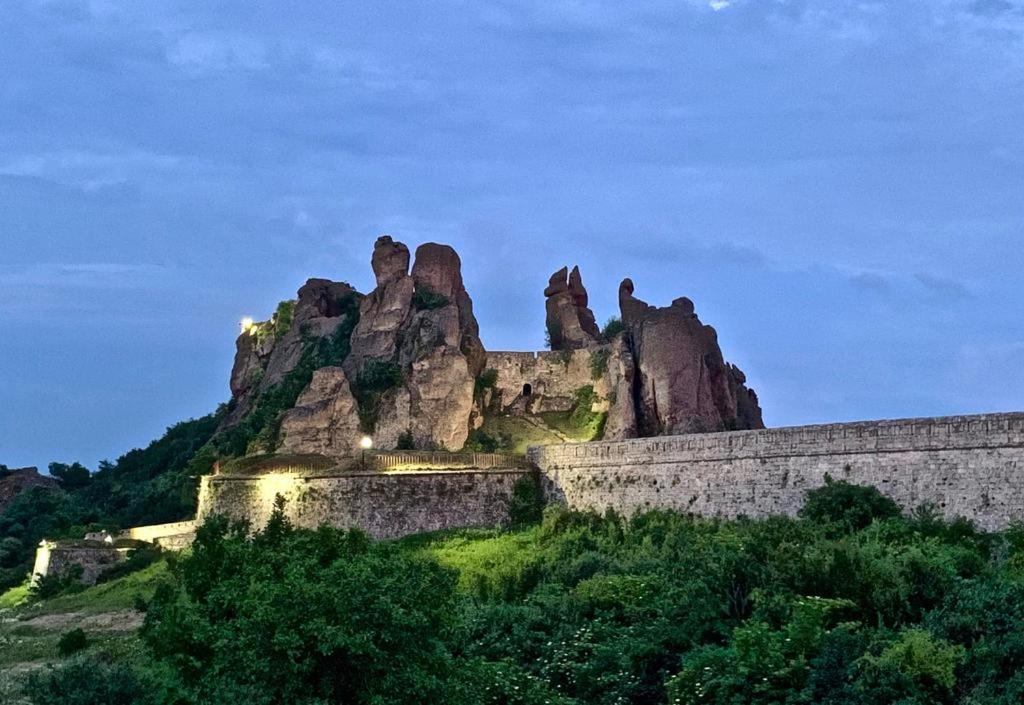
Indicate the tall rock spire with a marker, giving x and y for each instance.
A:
(570, 322)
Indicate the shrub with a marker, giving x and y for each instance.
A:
(378, 376)
(405, 441)
(89, 682)
(283, 316)
(300, 616)
(137, 559)
(612, 328)
(426, 299)
(599, 362)
(72, 642)
(527, 503)
(481, 442)
(850, 507)
(487, 379)
(53, 584)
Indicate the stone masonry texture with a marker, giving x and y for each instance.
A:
(966, 466)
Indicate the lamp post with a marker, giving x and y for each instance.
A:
(365, 443)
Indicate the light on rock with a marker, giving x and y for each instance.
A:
(366, 443)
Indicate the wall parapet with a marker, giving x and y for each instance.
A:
(429, 460)
(966, 466)
(890, 436)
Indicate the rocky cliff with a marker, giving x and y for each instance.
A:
(404, 364)
(682, 382)
(14, 481)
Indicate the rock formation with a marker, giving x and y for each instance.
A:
(325, 419)
(267, 352)
(402, 364)
(571, 325)
(414, 357)
(14, 481)
(683, 384)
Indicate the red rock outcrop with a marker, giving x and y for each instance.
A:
(683, 384)
(268, 351)
(17, 480)
(571, 324)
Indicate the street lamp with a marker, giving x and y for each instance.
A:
(365, 443)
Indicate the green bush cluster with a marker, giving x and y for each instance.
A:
(486, 380)
(849, 605)
(377, 377)
(426, 299)
(612, 328)
(152, 485)
(599, 362)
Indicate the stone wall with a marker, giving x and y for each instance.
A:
(967, 466)
(385, 505)
(53, 558)
(553, 377)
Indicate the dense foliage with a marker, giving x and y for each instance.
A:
(850, 605)
(304, 617)
(145, 486)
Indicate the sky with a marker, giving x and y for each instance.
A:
(839, 187)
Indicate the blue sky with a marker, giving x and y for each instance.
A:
(839, 186)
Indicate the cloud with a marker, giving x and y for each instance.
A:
(871, 281)
(943, 286)
(81, 275)
(89, 170)
(989, 8)
(717, 5)
(208, 52)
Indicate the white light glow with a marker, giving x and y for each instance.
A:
(366, 443)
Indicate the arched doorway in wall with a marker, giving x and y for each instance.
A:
(527, 389)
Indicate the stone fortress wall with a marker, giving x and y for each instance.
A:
(546, 380)
(966, 466)
(384, 505)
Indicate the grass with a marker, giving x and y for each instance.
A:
(15, 597)
(116, 595)
(562, 421)
(28, 641)
(522, 432)
(481, 556)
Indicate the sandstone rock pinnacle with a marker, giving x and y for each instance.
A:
(570, 322)
(683, 383)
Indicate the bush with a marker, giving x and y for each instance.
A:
(378, 376)
(612, 328)
(426, 299)
(487, 379)
(89, 682)
(599, 362)
(849, 507)
(298, 616)
(481, 442)
(405, 441)
(72, 642)
(527, 503)
(137, 559)
(53, 584)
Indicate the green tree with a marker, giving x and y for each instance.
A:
(296, 616)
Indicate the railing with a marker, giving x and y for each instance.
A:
(440, 460)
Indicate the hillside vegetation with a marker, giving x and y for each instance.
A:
(851, 604)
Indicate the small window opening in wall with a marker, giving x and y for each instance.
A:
(527, 389)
